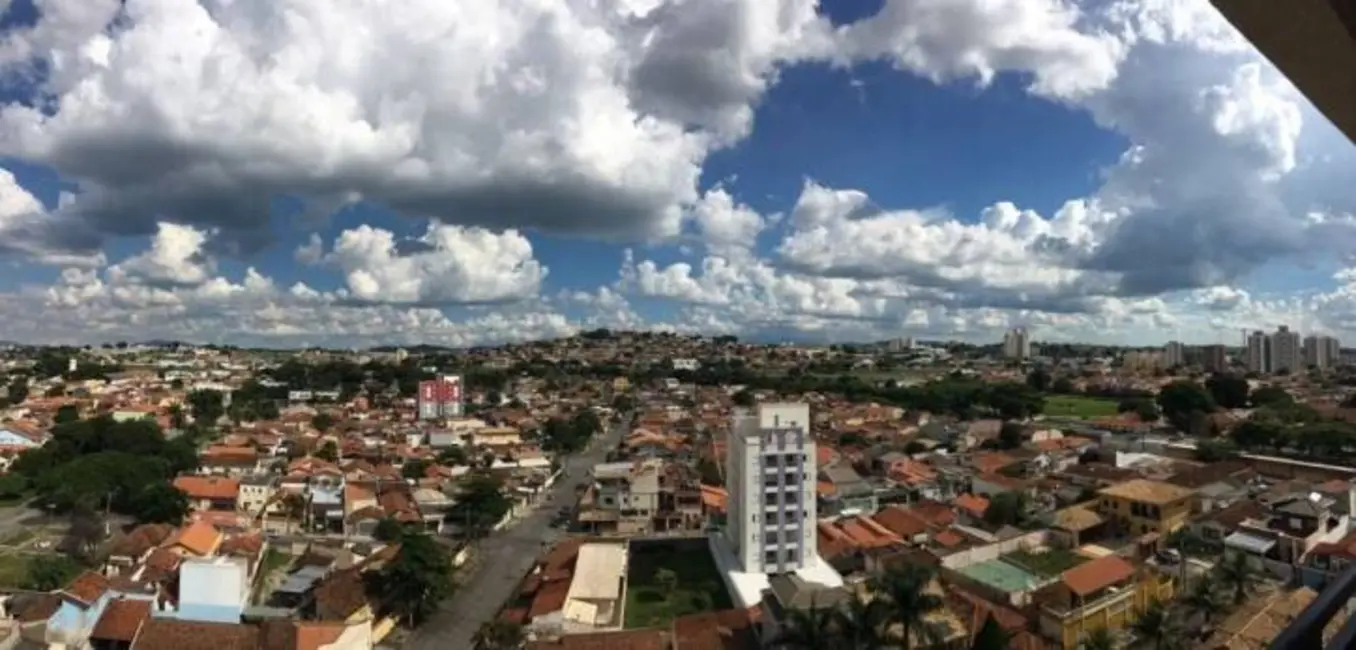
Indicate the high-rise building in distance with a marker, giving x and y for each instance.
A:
(1286, 353)
(1017, 344)
(1174, 354)
(1321, 352)
(440, 398)
(1259, 352)
(771, 475)
(1214, 358)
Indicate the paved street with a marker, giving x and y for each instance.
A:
(505, 557)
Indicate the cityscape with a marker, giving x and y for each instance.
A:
(677, 325)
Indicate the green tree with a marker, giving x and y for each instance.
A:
(414, 469)
(1183, 399)
(1273, 396)
(12, 485)
(1039, 379)
(1011, 435)
(1152, 625)
(419, 577)
(481, 503)
(1228, 391)
(909, 602)
(18, 390)
(452, 456)
(388, 529)
(1062, 385)
(50, 572)
(158, 503)
(1213, 451)
(667, 580)
(860, 622)
(1014, 401)
(322, 421)
(1098, 639)
(206, 405)
(500, 634)
(1236, 576)
(1005, 509)
(1202, 600)
(328, 451)
(744, 398)
(66, 413)
(990, 636)
(807, 629)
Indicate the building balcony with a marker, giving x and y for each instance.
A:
(1306, 632)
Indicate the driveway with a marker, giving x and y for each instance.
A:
(502, 559)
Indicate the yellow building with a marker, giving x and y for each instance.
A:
(1108, 592)
(1141, 506)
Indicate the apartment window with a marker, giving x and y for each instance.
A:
(792, 498)
(793, 459)
(772, 537)
(770, 558)
(771, 482)
(770, 499)
(791, 479)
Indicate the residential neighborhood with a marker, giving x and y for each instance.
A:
(619, 490)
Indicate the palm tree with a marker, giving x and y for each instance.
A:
(908, 601)
(807, 629)
(860, 622)
(1152, 625)
(499, 635)
(1236, 575)
(1202, 600)
(1099, 639)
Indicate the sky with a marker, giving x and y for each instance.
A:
(342, 173)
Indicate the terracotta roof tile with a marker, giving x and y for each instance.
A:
(121, 620)
(199, 538)
(628, 640)
(172, 634)
(208, 487)
(42, 607)
(550, 597)
(1097, 574)
(730, 629)
(312, 635)
(340, 595)
(86, 588)
(972, 503)
(900, 521)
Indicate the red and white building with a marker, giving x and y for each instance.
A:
(440, 398)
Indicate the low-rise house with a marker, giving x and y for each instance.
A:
(1108, 592)
(209, 492)
(1141, 506)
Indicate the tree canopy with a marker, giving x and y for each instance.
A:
(1183, 400)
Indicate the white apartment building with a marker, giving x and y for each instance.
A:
(1017, 344)
(1174, 354)
(771, 475)
(1322, 352)
(1259, 352)
(1286, 353)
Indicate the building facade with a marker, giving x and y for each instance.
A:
(1321, 352)
(1287, 355)
(1214, 358)
(440, 398)
(1017, 344)
(1259, 352)
(1174, 354)
(771, 477)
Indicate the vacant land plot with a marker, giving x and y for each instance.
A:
(698, 588)
(1076, 406)
(1048, 563)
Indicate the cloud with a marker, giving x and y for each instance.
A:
(583, 118)
(454, 264)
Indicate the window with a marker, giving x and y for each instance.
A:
(770, 558)
(772, 537)
(770, 499)
(792, 498)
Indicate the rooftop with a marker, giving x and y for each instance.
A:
(1146, 491)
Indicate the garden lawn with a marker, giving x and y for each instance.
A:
(1048, 563)
(1077, 406)
(13, 570)
(699, 587)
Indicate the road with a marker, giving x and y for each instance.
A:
(502, 559)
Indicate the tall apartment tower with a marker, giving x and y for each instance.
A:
(1214, 358)
(1286, 353)
(1174, 354)
(1321, 352)
(1259, 352)
(1017, 344)
(771, 475)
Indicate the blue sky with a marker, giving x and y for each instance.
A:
(818, 171)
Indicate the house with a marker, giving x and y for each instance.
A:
(256, 493)
(1108, 592)
(1141, 506)
(68, 616)
(595, 593)
(650, 495)
(231, 461)
(211, 589)
(174, 634)
(342, 596)
(197, 539)
(118, 626)
(209, 492)
(850, 494)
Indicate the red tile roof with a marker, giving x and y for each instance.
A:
(121, 620)
(1098, 574)
(87, 588)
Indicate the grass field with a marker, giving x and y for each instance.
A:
(699, 587)
(1048, 563)
(1076, 406)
